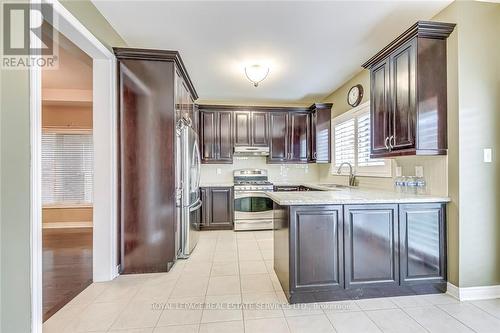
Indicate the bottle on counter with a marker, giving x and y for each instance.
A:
(421, 185)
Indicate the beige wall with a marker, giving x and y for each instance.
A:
(475, 184)
(15, 201)
(67, 117)
(15, 299)
(449, 14)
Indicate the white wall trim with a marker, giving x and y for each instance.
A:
(105, 172)
(36, 193)
(473, 293)
(452, 290)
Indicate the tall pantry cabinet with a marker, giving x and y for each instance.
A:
(148, 103)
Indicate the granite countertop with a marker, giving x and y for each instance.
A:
(343, 196)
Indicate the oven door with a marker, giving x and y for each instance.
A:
(252, 206)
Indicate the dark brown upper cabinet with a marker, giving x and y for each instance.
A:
(408, 93)
(321, 132)
(290, 139)
(260, 129)
(299, 143)
(278, 142)
(251, 128)
(242, 131)
(216, 136)
(293, 134)
(154, 90)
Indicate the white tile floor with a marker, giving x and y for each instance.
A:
(228, 269)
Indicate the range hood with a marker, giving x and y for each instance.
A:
(251, 151)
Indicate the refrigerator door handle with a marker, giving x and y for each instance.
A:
(196, 206)
(198, 163)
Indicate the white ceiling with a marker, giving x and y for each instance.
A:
(312, 47)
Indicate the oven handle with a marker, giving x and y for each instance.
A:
(239, 195)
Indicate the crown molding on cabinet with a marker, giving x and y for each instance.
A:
(159, 55)
(421, 29)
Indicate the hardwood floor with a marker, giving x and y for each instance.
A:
(67, 266)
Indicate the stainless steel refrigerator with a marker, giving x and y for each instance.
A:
(189, 202)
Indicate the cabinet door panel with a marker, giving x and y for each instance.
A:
(422, 239)
(260, 129)
(147, 139)
(205, 206)
(322, 135)
(403, 96)
(225, 138)
(300, 141)
(314, 126)
(279, 140)
(242, 129)
(208, 124)
(371, 256)
(380, 107)
(221, 211)
(317, 247)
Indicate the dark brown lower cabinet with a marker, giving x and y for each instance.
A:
(336, 252)
(422, 243)
(371, 245)
(316, 248)
(217, 208)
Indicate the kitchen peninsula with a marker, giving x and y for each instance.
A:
(349, 243)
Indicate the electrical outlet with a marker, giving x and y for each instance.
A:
(487, 155)
(219, 171)
(399, 171)
(419, 171)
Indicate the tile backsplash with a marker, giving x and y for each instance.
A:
(435, 172)
(277, 172)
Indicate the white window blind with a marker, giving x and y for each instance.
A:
(322, 146)
(67, 168)
(351, 143)
(363, 155)
(344, 142)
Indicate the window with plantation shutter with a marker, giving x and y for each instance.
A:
(351, 143)
(67, 168)
(363, 156)
(344, 142)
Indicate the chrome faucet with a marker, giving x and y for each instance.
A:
(352, 177)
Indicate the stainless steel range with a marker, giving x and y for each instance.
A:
(253, 209)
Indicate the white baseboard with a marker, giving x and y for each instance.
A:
(473, 293)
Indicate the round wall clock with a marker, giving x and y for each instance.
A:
(355, 95)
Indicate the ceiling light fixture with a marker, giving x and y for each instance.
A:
(256, 73)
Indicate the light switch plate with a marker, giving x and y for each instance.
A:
(219, 171)
(399, 171)
(487, 155)
(419, 171)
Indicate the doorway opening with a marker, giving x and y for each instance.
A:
(95, 134)
(67, 176)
